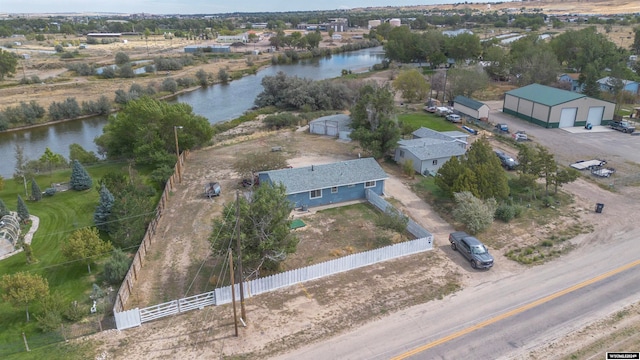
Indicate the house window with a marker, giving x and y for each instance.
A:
(435, 162)
(334, 190)
(401, 153)
(315, 194)
(369, 184)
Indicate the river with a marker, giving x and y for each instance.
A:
(217, 103)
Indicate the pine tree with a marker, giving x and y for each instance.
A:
(103, 210)
(23, 212)
(3, 209)
(80, 179)
(36, 193)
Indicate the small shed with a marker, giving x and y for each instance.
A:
(471, 108)
(333, 125)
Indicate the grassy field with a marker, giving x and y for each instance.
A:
(59, 215)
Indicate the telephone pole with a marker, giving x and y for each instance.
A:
(233, 294)
(243, 314)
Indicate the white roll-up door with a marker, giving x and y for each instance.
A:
(595, 115)
(568, 117)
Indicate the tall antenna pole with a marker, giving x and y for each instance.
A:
(243, 314)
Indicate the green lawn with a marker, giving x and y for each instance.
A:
(411, 122)
(59, 215)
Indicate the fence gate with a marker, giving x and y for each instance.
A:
(127, 319)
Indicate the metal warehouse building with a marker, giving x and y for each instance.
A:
(552, 108)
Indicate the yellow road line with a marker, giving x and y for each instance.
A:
(516, 311)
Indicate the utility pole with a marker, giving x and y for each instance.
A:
(233, 293)
(243, 314)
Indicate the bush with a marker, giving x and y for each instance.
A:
(126, 71)
(170, 85)
(49, 191)
(477, 215)
(116, 267)
(122, 58)
(69, 109)
(281, 120)
(505, 212)
(75, 311)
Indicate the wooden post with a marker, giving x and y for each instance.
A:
(233, 294)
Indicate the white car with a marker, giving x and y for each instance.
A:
(454, 118)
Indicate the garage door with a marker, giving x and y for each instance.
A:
(568, 117)
(595, 115)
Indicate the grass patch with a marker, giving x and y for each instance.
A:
(413, 121)
(59, 215)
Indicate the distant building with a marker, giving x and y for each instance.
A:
(395, 22)
(207, 48)
(232, 38)
(374, 24)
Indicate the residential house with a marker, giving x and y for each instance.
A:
(573, 79)
(609, 84)
(318, 185)
(430, 149)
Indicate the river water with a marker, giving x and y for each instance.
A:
(217, 103)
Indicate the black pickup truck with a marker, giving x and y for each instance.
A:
(623, 126)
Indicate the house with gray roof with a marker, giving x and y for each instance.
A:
(471, 108)
(318, 185)
(609, 84)
(430, 149)
(550, 107)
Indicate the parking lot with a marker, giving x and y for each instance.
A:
(621, 151)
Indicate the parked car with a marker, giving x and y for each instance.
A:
(431, 109)
(443, 111)
(520, 135)
(454, 118)
(503, 128)
(472, 249)
(507, 161)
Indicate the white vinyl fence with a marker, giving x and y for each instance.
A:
(136, 317)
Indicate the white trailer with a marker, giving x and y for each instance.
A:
(588, 164)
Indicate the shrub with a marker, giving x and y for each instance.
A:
(169, 85)
(50, 191)
(116, 267)
(476, 214)
(122, 58)
(223, 75)
(126, 71)
(279, 121)
(505, 212)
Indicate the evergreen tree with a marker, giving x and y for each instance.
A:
(116, 267)
(103, 210)
(80, 179)
(36, 193)
(3, 209)
(23, 212)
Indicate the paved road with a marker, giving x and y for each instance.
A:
(512, 321)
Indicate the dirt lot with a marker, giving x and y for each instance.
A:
(310, 312)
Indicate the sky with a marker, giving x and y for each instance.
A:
(195, 6)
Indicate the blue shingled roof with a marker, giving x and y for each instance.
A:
(297, 180)
(545, 95)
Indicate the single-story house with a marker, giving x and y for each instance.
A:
(338, 125)
(242, 38)
(471, 108)
(573, 79)
(552, 108)
(609, 84)
(318, 185)
(430, 149)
